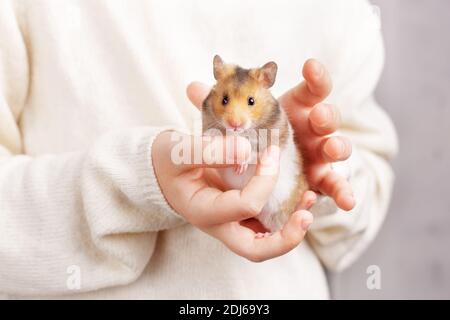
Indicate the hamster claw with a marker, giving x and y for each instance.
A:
(241, 168)
(261, 235)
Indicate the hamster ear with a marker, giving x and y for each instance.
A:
(267, 73)
(218, 67)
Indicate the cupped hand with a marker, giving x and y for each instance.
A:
(190, 188)
(313, 122)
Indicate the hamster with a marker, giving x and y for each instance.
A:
(241, 103)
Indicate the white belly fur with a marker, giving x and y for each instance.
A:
(271, 216)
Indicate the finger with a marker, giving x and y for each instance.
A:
(244, 242)
(334, 149)
(314, 89)
(307, 199)
(339, 189)
(188, 152)
(324, 119)
(197, 93)
(211, 206)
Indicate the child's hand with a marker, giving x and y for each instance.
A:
(313, 122)
(192, 191)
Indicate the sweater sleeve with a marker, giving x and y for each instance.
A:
(339, 237)
(93, 215)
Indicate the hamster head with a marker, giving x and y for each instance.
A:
(241, 98)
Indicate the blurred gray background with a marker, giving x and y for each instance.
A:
(413, 247)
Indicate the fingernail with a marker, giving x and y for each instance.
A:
(317, 69)
(307, 220)
(323, 115)
(334, 148)
(350, 199)
(270, 156)
(270, 161)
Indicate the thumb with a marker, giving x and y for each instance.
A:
(197, 93)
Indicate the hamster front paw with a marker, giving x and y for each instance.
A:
(241, 168)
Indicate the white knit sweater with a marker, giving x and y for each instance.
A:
(85, 87)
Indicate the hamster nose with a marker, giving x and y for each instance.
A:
(235, 123)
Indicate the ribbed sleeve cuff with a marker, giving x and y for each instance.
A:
(165, 216)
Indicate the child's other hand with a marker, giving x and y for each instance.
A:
(313, 122)
(192, 191)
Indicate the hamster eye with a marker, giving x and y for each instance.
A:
(251, 101)
(225, 100)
